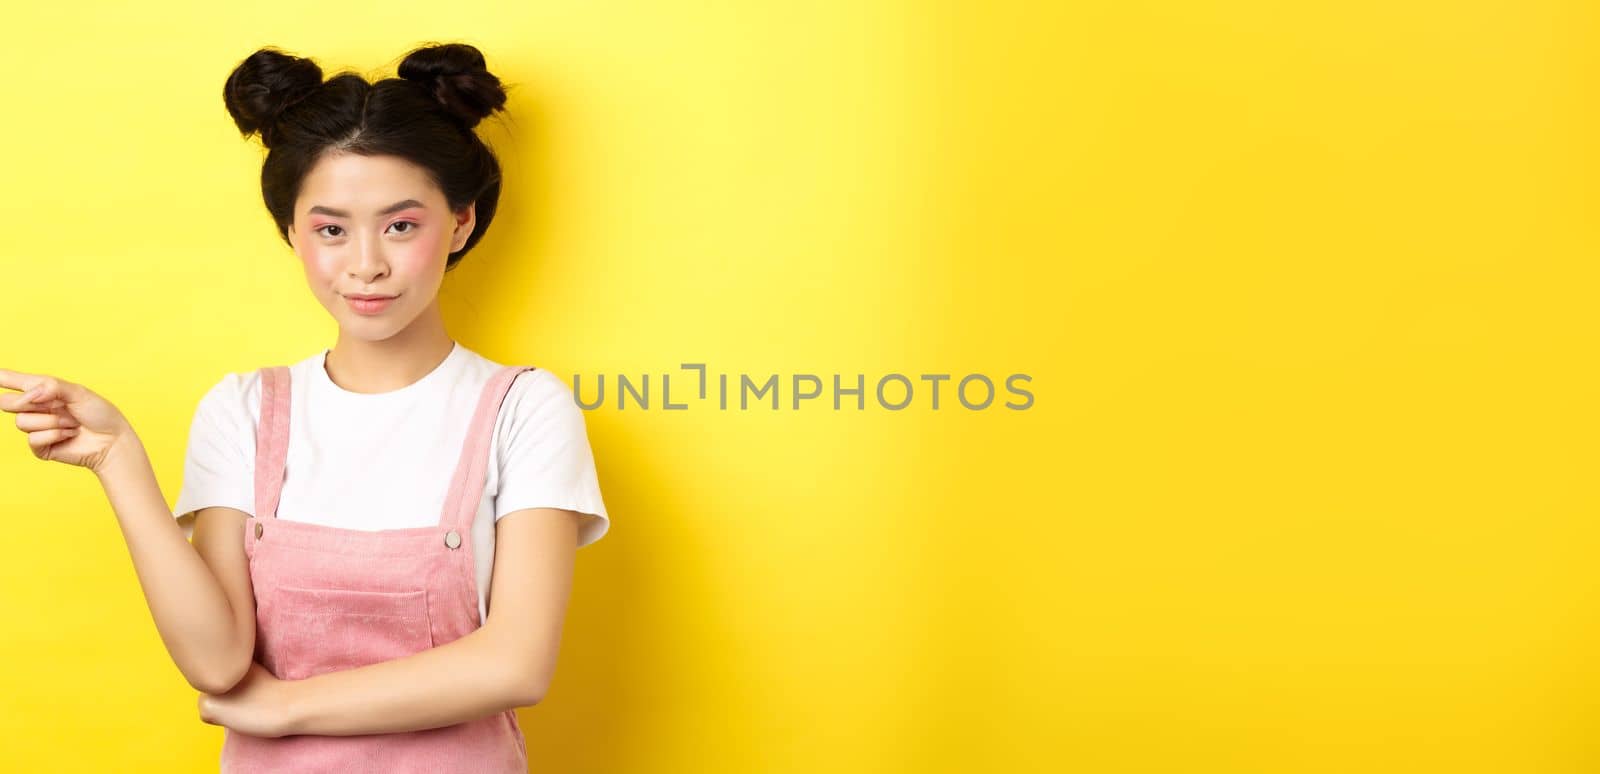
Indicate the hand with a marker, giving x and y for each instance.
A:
(257, 706)
(65, 422)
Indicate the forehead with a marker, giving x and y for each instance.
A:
(363, 184)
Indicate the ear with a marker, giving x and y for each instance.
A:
(288, 233)
(466, 221)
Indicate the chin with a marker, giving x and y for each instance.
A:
(369, 329)
(372, 330)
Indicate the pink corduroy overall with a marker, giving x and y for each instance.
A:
(331, 598)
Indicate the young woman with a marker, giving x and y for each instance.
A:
(369, 562)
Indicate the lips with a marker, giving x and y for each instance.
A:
(368, 304)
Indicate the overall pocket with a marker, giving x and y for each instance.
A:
(328, 629)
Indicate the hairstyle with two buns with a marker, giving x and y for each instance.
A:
(425, 116)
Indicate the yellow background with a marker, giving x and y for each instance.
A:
(1306, 292)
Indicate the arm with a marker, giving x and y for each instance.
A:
(69, 423)
(208, 625)
(506, 663)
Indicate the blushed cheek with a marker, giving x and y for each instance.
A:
(415, 258)
(320, 265)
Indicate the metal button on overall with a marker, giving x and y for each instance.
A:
(452, 539)
(258, 530)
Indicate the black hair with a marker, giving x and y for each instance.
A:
(425, 116)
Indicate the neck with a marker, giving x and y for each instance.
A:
(367, 366)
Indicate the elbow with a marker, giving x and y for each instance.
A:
(215, 681)
(528, 696)
(530, 689)
(219, 678)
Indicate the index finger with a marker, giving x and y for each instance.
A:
(18, 380)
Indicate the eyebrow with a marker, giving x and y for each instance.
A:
(393, 208)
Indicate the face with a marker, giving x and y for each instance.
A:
(375, 226)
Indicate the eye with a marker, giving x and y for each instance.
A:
(410, 227)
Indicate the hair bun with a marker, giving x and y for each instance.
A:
(457, 77)
(264, 85)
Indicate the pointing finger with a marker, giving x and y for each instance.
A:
(20, 380)
(11, 379)
(27, 401)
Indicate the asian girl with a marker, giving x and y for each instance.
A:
(370, 559)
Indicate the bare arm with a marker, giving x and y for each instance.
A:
(198, 624)
(506, 663)
(209, 640)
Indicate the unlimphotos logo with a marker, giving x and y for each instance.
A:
(894, 391)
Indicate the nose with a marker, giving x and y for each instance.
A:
(368, 264)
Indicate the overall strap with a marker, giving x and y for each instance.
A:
(471, 474)
(272, 440)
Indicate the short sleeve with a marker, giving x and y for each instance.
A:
(545, 457)
(219, 464)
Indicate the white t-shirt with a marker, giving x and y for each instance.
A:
(384, 461)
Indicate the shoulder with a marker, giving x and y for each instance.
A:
(232, 404)
(224, 423)
(539, 395)
(233, 401)
(540, 405)
(535, 391)
(538, 386)
(537, 405)
(235, 393)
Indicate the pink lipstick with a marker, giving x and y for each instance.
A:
(368, 305)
